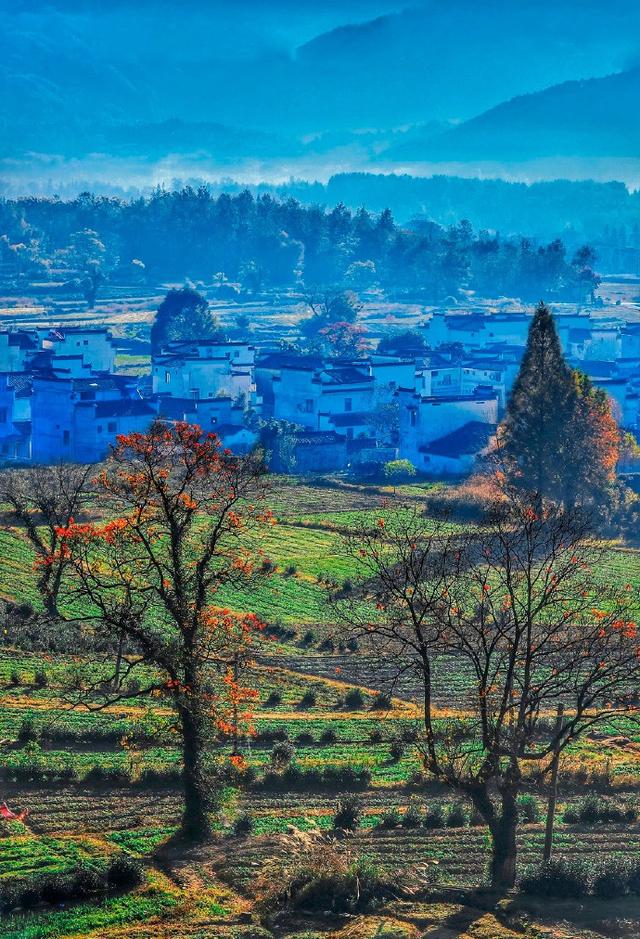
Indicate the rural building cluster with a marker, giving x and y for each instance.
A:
(62, 397)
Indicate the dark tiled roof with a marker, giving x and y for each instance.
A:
(346, 375)
(468, 439)
(23, 340)
(288, 360)
(132, 407)
(350, 418)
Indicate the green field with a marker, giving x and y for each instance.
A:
(82, 785)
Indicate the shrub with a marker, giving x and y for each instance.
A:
(122, 873)
(152, 777)
(41, 679)
(309, 638)
(282, 753)
(28, 732)
(409, 734)
(559, 878)
(352, 644)
(15, 678)
(390, 819)
(611, 880)
(396, 751)
(319, 873)
(528, 809)
(290, 570)
(328, 737)
(274, 700)
(305, 739)
(308, 700)
(595, 809)
(107, 776)
(381, 702)
(633, 878)
(412, 818)
(375, 736)
(340, 778)
(327, 645)
(354, 699)
(456, 816)
(243, 825)
(348, 813)
(434, 818)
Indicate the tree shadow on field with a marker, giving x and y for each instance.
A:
(457, 923)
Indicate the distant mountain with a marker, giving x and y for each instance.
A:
(62, 70)
(591, 118)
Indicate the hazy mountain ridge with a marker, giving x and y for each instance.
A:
(591, 117)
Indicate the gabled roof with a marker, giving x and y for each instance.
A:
(288, 360)
(471, 438)
(127, 407)
(345, 375)
(350, 419)
(22, 340)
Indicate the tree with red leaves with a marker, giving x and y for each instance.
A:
(181, 513)
(345, 340)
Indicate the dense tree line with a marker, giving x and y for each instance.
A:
(265, 243)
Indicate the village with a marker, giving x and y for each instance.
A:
(435, 402)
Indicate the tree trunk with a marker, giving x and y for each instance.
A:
(503, 844)
(502, 829)
(195, 821)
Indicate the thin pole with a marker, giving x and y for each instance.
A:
(553, 788)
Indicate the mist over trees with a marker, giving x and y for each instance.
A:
(265, 243)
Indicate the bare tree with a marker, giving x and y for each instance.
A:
(503, 626)
(41, 500)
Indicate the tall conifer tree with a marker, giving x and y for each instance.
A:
(532, 436)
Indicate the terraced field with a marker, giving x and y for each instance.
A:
(84, 775)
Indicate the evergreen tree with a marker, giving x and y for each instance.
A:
(532, 436)
(183, 314)
(559, 439)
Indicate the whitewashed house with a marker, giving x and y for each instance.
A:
(444, 435)
(206, 368)
(17, 349)
(92, 349)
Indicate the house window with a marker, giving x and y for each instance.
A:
(167, 378)
(3, 415)
(348, 404)
(65, 438)
(413, 417)
(87, 395)
(111, 427)
(349, 433)
(195, 393)
(86, 342)
(446, 380)
(308, 405)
